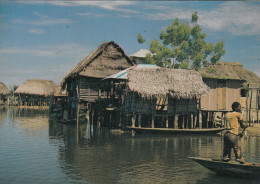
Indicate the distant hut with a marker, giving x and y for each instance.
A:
(230, 82)
(3, 93)
(171, 94)
(35, 92)
(140, 56)
(82, 82)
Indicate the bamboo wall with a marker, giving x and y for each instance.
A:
(222, 94)
(88, 89)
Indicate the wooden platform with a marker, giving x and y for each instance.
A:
(176, 131)
(231, 168)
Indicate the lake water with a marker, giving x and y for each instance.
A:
(34, 150)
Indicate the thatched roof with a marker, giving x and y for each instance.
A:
(109, 58)
(178, 83)
(230, 70)
(37, 87)
(122, 75)
(141, 53)
(3, 89)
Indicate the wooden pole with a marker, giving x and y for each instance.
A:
(195, 120)
(191, 121)
(167, 122)
(200, 120)
(78, 107)
(257, 105)
(133, 120)
(139, 120)
(183, 121)
(250, 106)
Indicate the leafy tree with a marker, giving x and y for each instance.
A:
(140, 38)
(186, 44)
(12, 89)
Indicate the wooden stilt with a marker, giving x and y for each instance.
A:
(191, 121)
(166, 122)
(133, 120)
(139, 120)
(176, 117)
(78, 107)
(195, 120)
(152, 125)
(200, 120)
(183, 121)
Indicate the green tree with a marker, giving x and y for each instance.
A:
(186, 43)
(140, 38)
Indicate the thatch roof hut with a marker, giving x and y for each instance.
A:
(109, 58)
(177, 83)
(230, 70)
(37, 87)
(3, 89)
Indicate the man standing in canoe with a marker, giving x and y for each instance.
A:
(231, 136)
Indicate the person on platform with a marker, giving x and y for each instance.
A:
(232, 136)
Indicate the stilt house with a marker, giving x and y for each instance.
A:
(3, 92)
(82, 82)
(140, 56)
(230, 82)
(35, 92)
(164, 98)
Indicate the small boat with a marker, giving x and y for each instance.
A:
(231, 168)
(176, 131)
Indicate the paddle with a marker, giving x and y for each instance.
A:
(243, 131)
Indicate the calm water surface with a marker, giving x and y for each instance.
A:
(34, 150)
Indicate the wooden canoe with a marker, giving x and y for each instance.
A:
(231, 168)
(176, 131)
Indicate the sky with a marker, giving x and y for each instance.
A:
(45, 39)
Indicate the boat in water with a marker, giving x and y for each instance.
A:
(175, 131)
(231, 168)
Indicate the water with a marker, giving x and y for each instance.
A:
(34, 150)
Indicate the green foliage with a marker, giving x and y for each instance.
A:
(194, 17)
(212, 70)
(12, 89)
(185, 43)
(184, 65)
(140, 38)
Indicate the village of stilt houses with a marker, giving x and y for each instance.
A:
(108, 88)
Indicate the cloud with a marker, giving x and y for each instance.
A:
(42, 22)
(238, 18)
(36, 31)
(107, 5)
(67, 50)
(91, 14)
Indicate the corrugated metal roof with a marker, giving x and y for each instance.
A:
(123, 73)
(141, 53)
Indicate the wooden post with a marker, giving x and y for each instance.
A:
(133, 120)
(200, 120)
(167, 122)
(195, 120)
(50, 106)
(176, 117)
(183, 121)
(247, 105)
(250, 106)
(78, 107)
(140, 120)
(191, 121)
(152, 121)
(257, 105)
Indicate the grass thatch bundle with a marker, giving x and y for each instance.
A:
(177, 83)
(3, 89)
(109, 58)
(37, 87)
(229, 70)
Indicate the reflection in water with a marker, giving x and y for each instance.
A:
(68, 153)
(97, 155)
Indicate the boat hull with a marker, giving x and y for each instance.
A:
(176, 131)
(231, 168)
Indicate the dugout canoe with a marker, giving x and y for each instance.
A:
(231, 168)
(175, 131)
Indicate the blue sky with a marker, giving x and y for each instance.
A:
(45, 39)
